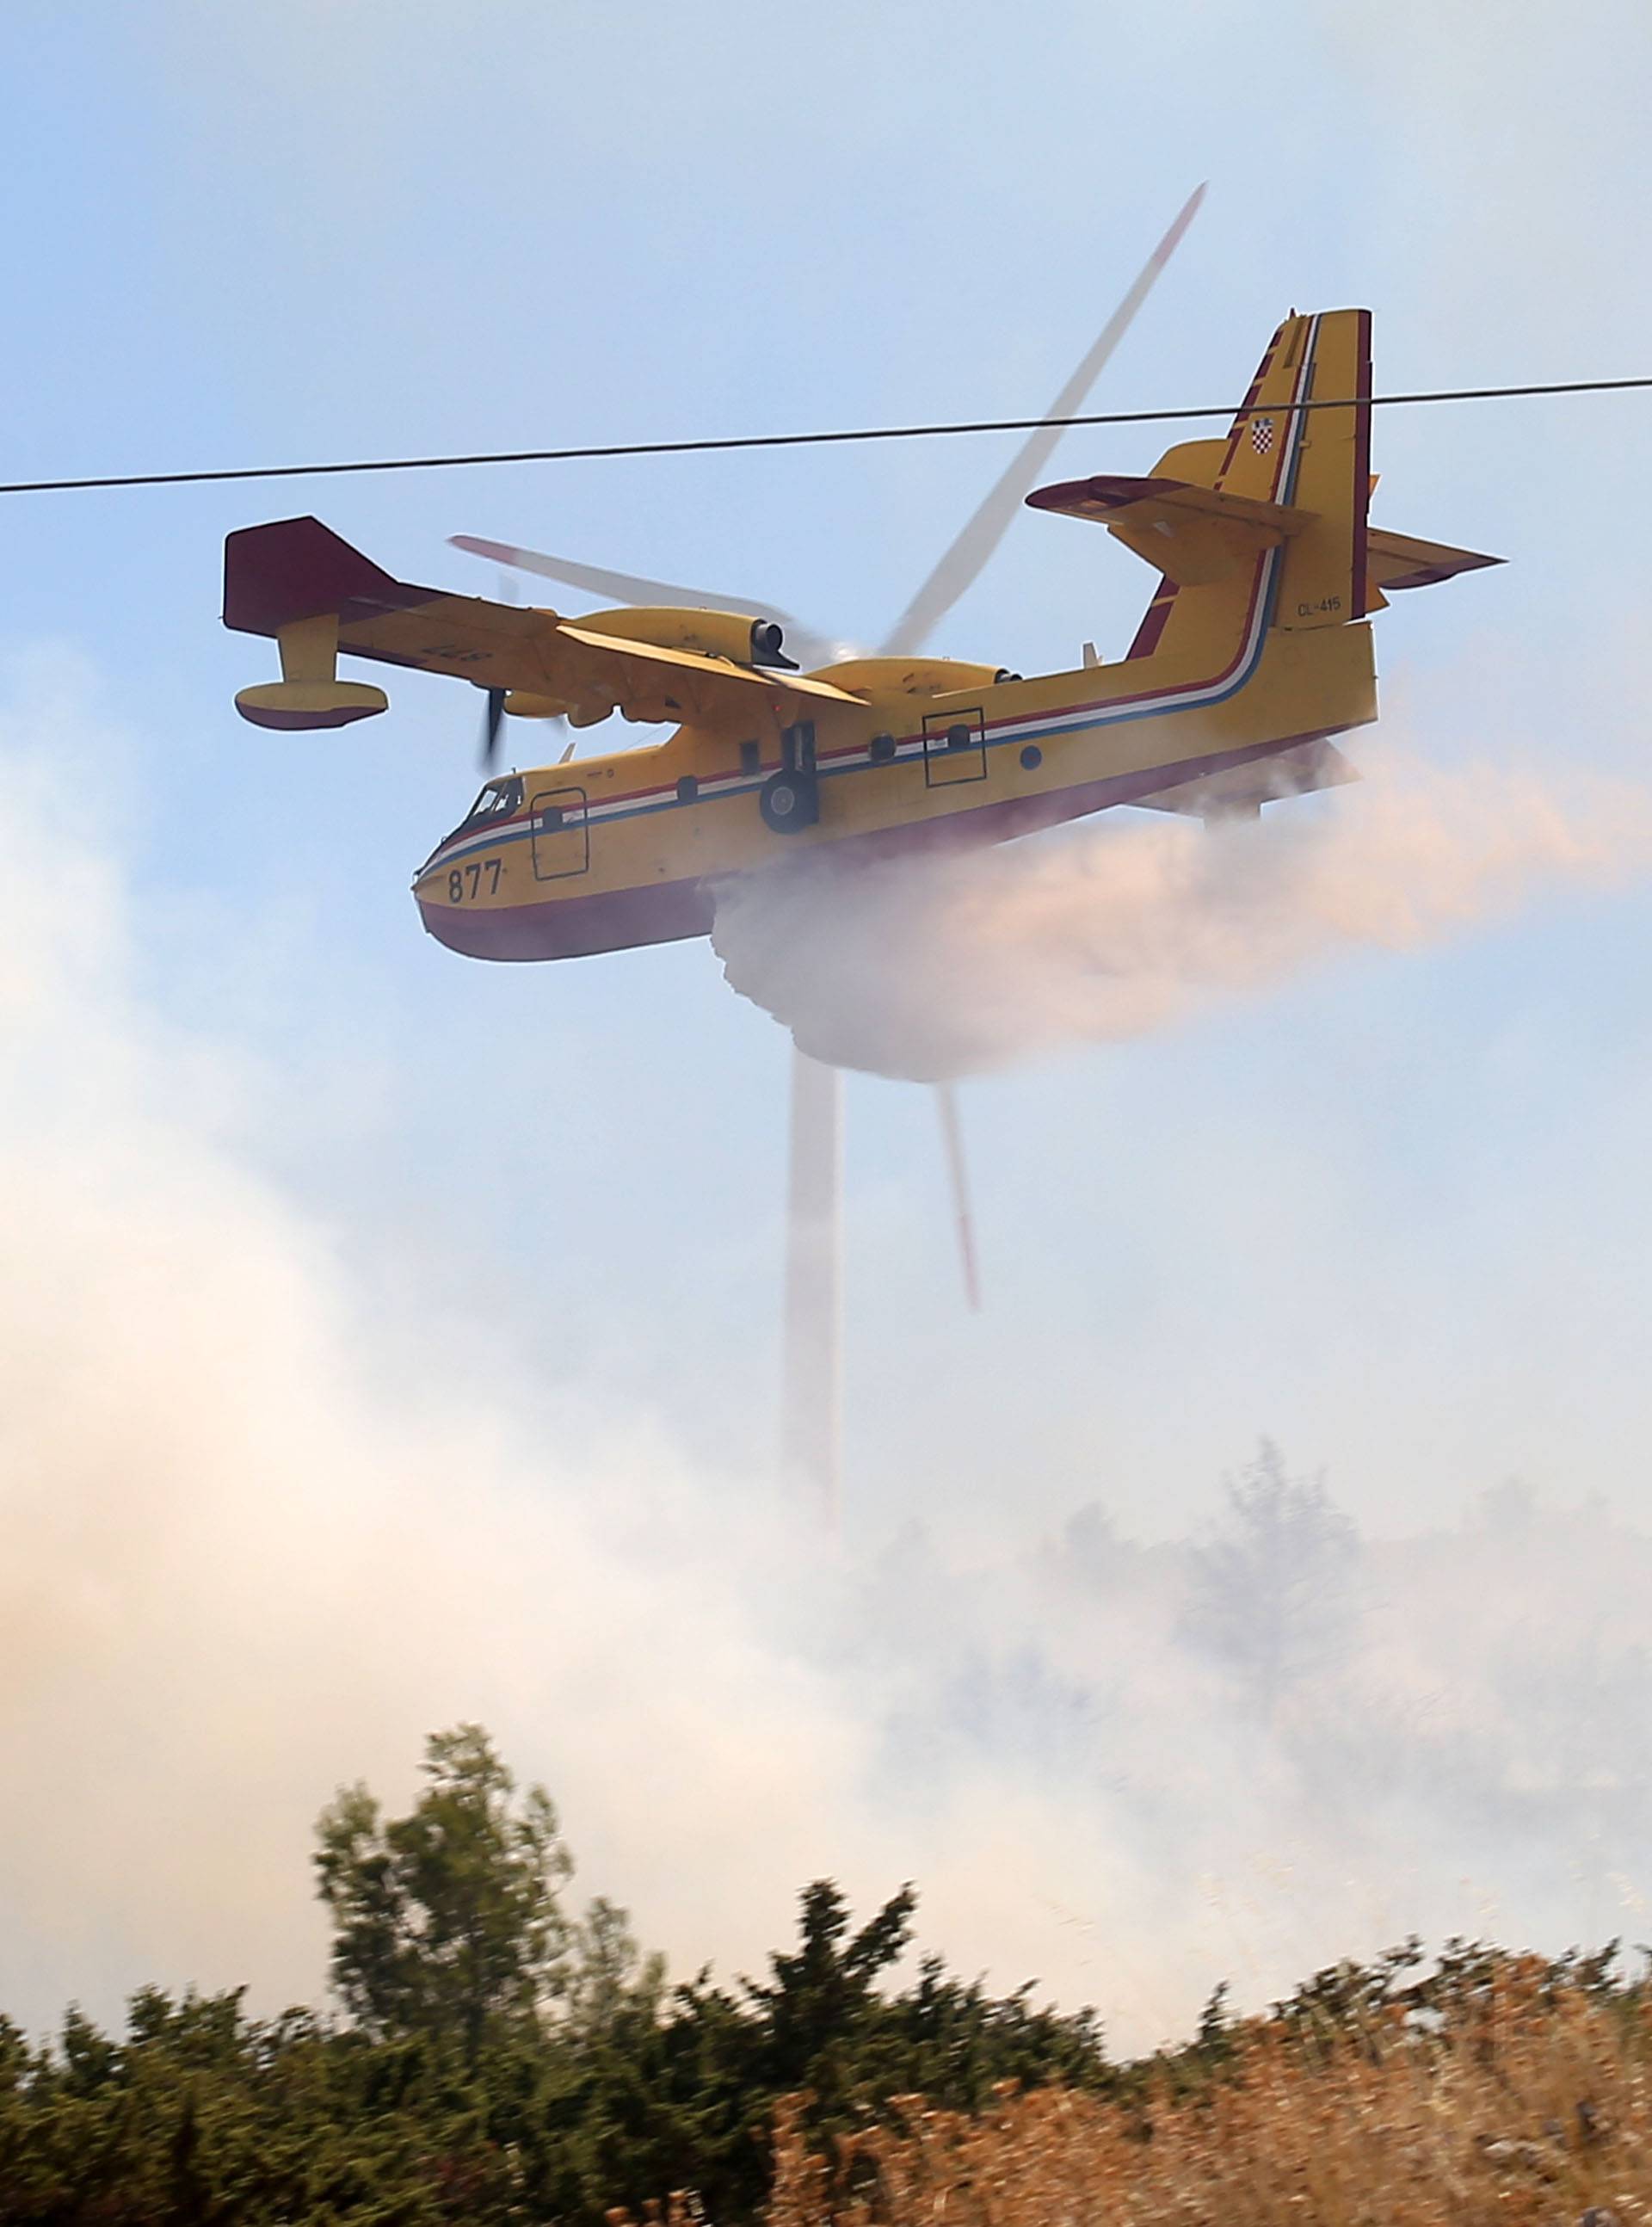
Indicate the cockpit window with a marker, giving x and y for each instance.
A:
(498, 799)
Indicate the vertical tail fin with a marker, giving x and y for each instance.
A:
(1277, 508)
(1315, 459)
(1268, 521)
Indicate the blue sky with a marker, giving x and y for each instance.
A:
(1392, 1211)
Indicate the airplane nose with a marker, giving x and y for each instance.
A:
(468, 932)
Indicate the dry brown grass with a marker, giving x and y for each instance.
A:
(1523, 2102)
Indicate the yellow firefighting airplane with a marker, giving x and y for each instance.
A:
(1253, 654)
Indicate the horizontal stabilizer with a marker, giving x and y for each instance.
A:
(1193, 534)
(1398, 561)
(1112, 500)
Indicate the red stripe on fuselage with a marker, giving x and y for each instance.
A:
(618, 920)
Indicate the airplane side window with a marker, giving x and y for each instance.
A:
(750, 758)
(497, 799)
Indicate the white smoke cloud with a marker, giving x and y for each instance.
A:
(256, 1541)
(928, 969)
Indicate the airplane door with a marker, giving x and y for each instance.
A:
(954, 747)
(561, 834)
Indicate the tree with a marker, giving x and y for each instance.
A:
(608, 1976)
(447, 1922)
(823, 2003)
(203, 2115)
(1272, 1593)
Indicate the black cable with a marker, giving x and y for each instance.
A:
(794, 440)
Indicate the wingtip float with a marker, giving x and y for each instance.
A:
(1254, 652)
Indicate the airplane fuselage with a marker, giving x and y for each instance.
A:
(606, 852)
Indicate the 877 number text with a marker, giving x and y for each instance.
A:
(472, 874)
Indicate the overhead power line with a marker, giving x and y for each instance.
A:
(723, 442)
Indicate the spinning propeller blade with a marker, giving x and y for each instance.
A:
(814, 1278)
(807, 647)
(958, 571)
(492, 720)
(952, 1137)
(962, 564)
(965, 558)
(813, 1284)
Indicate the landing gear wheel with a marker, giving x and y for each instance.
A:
(790, 800)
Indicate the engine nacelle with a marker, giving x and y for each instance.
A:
(733, 635)
(522, 705)
(912, 676)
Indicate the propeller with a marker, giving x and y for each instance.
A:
(493, 719)
(969, 552)
(814, 1314)
(965, 557)
(492, 716)
(961, 564)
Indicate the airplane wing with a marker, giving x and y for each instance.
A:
(289, 575)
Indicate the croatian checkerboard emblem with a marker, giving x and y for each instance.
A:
(1262, 435)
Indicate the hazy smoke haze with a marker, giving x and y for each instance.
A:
(260, 1535)
(294, 1464)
